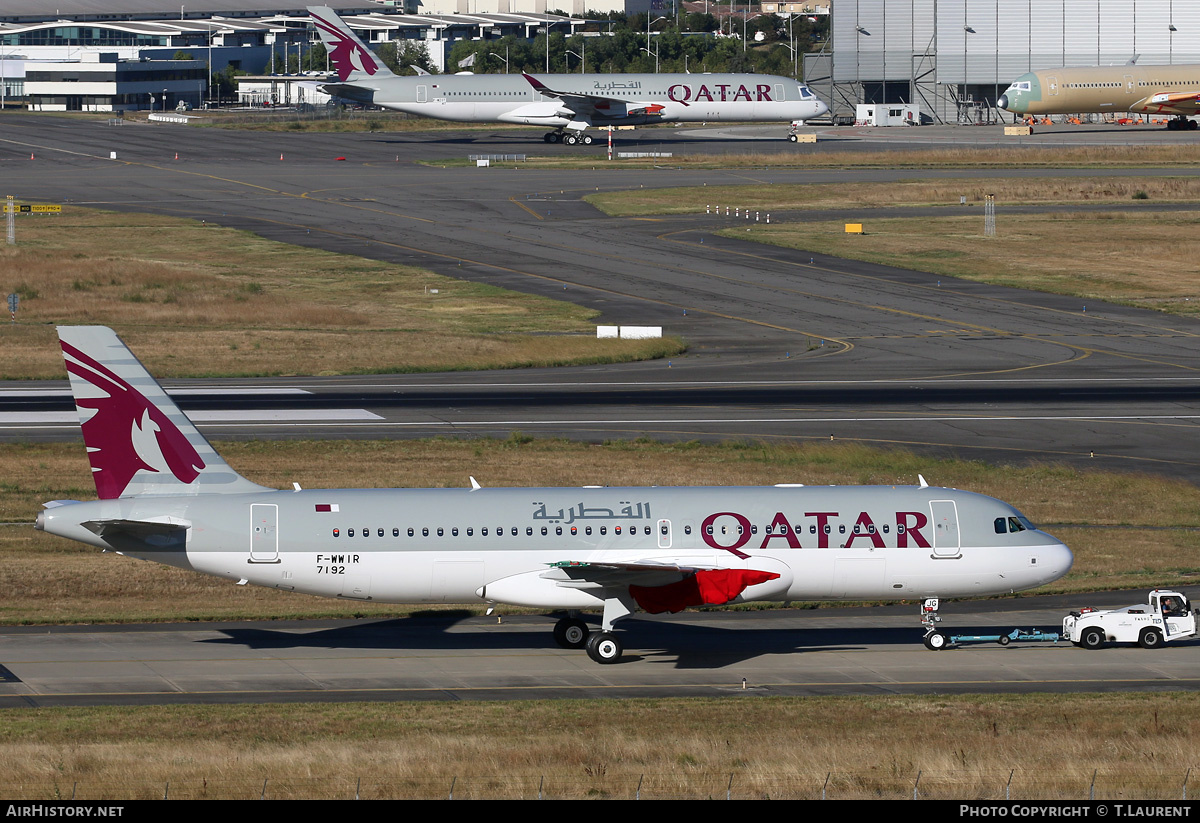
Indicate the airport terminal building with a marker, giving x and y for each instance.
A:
(953, 58)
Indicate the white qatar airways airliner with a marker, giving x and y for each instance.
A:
(166, 495)
(566, 103)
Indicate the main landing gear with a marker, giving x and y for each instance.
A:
(603, 646)
(570, 138)
(1181, 123)
(573, 633)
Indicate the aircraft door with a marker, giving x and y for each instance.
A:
(422, 94)
(264, 533)
(1052, 86)
(944, 515)
(664, 534)
(1129, 84)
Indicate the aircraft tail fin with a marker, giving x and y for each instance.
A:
(348, 53)
(138, 440)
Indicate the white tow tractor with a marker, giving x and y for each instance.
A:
(1165, 617)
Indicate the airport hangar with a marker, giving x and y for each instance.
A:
(953, 58)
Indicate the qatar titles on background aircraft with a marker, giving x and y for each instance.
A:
(166, 495)
(1168, 90)
(566, 103)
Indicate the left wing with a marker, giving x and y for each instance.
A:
(1181, 102)
(596, 108)
(662, 587)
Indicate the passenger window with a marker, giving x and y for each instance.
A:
(441, 532)
(349, 532)
(545, 530)
(483, 531)
(454, 532)
(514, 531)
(410, 532)
(687, 529)
(586, 530)
(337, 532)
(425, 532)
(575, 530)
(380, 532)
(558, 530)
(604, 530)
(528, 531)
(395, 532)
(470, 531)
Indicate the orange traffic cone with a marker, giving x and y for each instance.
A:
(280, 155)
(176, 155)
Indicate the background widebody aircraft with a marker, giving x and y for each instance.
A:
(566, 103)
(1168, 90)
(166, 495)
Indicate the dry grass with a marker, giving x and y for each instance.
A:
(1140, 744)
(40, 574)
(1087, 255)
(246, 305)
(774, 198)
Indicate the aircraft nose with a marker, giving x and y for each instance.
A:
(1058, 559)
(1002, 102)
(822, 108)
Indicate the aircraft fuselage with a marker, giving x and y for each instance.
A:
(499, 545)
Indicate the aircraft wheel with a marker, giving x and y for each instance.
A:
(791, 138)
(571, 633)
(570, 139)
(936, 641)
(1150, 639)
(1193, 125)
(586, 139)
(558, 136)
(1092, 638)
(549, 137)
(604, 647)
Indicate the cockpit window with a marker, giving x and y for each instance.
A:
(805, 94)
(1010, 525)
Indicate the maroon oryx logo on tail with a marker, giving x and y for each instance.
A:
(128, 433)
(346, 53)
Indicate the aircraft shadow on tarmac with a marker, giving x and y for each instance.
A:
(694, 647)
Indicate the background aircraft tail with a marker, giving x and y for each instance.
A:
(349, 55)
(138, 440)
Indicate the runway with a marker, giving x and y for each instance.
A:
(863, 651)
(782, 345)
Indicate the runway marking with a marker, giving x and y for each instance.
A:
(351, 416)
(201, 416)
(222, 390)
(514, 200)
